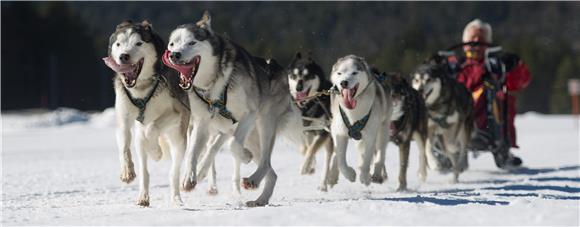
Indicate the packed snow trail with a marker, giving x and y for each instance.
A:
(62, 168)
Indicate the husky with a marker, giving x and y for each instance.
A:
(148, 99)
(362, 112)
(231, 93)
(408, 122)
(306, 81)
(450, 117)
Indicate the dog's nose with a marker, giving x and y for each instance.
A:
(299, 85)
(175, 55)
(344, 84)
(124, 58)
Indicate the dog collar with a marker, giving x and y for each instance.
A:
(219, 104)
(141, 103)
(354, 130)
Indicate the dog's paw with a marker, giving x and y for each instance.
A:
(323, 188)
(155, 154)
(249, 184)
(128, 173)
(188, 183)
(377, 179)
(212, 191)
(402, 188)
(256, 203)
(422, 176)
(246, 156)
(307, 170)
(365, 178)
(177, 202)
(454, 179)
(143, 201)
(349, 174)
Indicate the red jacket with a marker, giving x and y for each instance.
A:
(518, 77)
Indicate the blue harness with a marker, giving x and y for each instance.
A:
(219, 104)
(354, 130)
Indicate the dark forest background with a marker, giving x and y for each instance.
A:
(51, 51)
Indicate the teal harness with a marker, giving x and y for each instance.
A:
(141, 103)
(219, 104)
(354, 130)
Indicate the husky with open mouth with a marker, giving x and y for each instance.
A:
(232, 94)
(306, 80)
(361, 111)
(148, 100)
(450, 116)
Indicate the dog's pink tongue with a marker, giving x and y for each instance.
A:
(347, 97)
(183, 69)
(300, 95)
(116, 67)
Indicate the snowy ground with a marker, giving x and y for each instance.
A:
(61, 168)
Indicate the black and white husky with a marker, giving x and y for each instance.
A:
(362, 111)
(408, 122)
(147, 98)
(450, 117)
(231, 93)
(306, 80)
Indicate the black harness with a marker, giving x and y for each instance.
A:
(354, 130)
(141, 103)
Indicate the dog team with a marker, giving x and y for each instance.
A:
(188, 97)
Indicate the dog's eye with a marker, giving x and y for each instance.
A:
(171, 44)
(139, 44)
(191, 43)
(354, 73)
(339, 73)
(118, 44)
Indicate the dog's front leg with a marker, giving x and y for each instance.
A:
(193, 151)
(237, 145)
(380, 172)
(209, 161)
(327, 164)
(308, 166)
(366, 150)
(340, 145)
(420, 140)
(403, 165)
(142, 146)
(266, 127)
(124, 145)
(178, 145)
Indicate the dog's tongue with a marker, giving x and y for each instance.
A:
(300, 95)
(183, 69)
(348, 98)
(125, 68)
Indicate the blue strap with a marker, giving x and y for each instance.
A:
(219, 104)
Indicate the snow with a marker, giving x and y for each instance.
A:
(62, 168)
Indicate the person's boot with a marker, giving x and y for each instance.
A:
(504, 159)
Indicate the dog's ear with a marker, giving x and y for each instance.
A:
(205, 21)
(124, 24)
(147, 25)
(310, 56)
(298, 55)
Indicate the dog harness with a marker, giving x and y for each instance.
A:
(141, 103)
(355, 129)
(219, 104)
